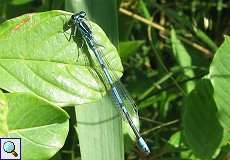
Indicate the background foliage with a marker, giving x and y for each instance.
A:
(176, 66)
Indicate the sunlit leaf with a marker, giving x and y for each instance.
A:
(42, 127)
(37, 56)
(175, 139)
(220, 78)
(3, 115)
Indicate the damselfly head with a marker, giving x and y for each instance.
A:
(78, 17)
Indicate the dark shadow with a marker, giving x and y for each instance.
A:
(203, 131)
(99, 122)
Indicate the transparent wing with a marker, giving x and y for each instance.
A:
(127, 99)
(128, 102)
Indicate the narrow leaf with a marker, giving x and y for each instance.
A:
(183, 58)
(19, 2)
(206, 39)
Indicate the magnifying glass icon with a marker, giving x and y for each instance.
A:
(9, 147)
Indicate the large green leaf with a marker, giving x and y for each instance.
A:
(202, 130)
(42, 127)
(3, 115)
(206, 118)
(220, 78)
(37, 56)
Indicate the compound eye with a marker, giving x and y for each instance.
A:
(82, 14)
(73, 17)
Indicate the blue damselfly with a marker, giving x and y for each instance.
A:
(116, 88)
